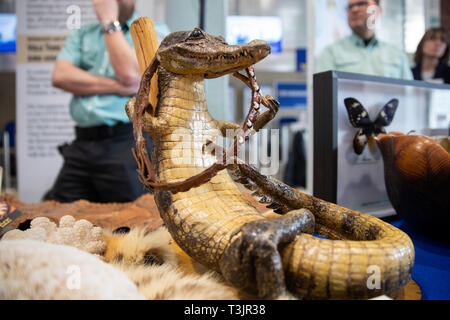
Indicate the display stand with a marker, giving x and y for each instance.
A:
(146, 44)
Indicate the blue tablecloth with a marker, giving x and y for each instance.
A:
(432, 263)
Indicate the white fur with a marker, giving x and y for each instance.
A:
(31, 269)
(166, 283)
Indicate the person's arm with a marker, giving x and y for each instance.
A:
(121, 54)
(69, 77)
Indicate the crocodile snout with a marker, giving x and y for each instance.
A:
(211, 56)
(236, 58)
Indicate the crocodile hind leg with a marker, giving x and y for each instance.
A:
(252, 262)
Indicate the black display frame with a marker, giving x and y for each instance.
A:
(325, 125)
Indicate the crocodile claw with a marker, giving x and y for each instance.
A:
(252, 262)
(274, 105)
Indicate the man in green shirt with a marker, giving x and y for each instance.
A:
(98, 65)
(362, 52)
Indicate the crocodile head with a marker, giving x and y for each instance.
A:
(196, 52)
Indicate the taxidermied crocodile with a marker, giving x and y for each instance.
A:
(208, 216)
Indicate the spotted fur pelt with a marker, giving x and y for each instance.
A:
(161, 270)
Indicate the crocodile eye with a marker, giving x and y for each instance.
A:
(196, 34)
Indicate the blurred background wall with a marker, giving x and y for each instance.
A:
(403, 23)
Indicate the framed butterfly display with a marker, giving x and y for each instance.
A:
(368, 129)
(349, 111)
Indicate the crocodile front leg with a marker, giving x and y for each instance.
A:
(264, 118)
(252, 262)
(152, 125)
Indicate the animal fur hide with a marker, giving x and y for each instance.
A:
(161, 270)
(139, 264)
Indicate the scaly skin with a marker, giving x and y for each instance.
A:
(216, 226)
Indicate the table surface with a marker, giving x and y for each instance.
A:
(431, 269)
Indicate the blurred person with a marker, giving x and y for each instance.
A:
(98, 65)
(362, 51)
(431, 57)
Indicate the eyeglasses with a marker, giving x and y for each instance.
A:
(360, 4)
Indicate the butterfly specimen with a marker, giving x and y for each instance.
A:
(359, 118)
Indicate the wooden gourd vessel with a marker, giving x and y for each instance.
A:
(417, 177)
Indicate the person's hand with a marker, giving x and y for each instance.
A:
(106, 10)
(127, 90)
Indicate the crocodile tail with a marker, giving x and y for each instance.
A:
(317, 268)
(362, 257)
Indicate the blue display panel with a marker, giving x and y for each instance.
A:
(8, 22)
(243, 29)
